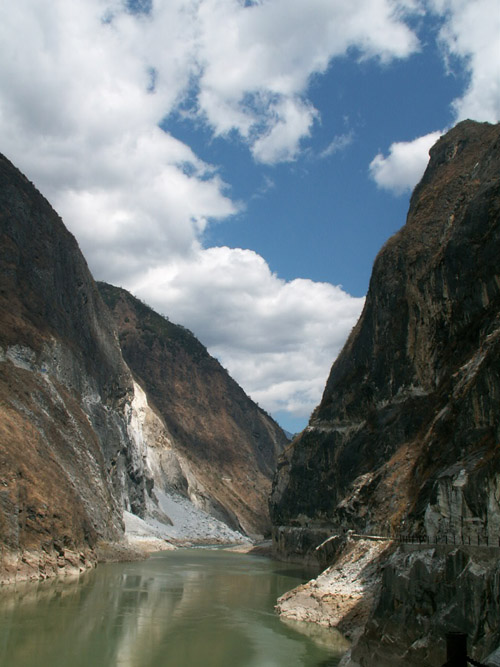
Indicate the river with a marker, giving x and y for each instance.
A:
(185, 608)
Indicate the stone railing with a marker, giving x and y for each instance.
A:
(451, 539)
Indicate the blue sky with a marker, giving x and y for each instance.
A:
(322, 217)
(238, 165)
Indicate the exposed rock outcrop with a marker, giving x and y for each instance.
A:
(426, 592)
(344, 595)
(408, 426)
(406, 437)
(396, 602)
(66, 461)
(219, 448)
(82, 441)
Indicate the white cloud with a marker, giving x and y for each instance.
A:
(277, 338)
(77, 117)
(84, 86)
(157, 209)
(405, 164)
(76, 77)
(256, 62)
(293, 122)
(337, 144)
(470, 33)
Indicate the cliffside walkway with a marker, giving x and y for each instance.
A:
(446, 541)
(450, 539)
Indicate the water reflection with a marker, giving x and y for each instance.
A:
(329, 638)
(186, 608)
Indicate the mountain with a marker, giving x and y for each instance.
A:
(63, 388)
(406, 437)
(84, 450)
(223, 448)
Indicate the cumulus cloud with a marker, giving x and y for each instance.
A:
(82, 81)
(256, 62)
(402, 168)
(158, 209)
(469, 35)
(78, 116)
(85, 86)
(293, 121)
(276, 338)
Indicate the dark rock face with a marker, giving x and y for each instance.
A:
(224, 447)
(406, 437)
(426, 593)
(79, 442)
(64, 450)
(408, 426)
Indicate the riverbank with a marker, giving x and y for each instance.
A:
(397, 602)
(344, 595)
(178, 523)
(188, 526)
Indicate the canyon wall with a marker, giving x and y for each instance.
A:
(220, 449)
(82, 443)
(66, 463)
(406, 434)
(406, 438)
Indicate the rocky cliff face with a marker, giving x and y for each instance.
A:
(407, 430)
(82, 444)
(67, 464)
(220, 448)
(406, 437)
(425, 593)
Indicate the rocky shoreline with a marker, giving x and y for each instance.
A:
(343, 595)
(189, 526)
(395, 603)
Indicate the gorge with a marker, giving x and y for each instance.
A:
(405, 441)
(90, 442)
(115, 422)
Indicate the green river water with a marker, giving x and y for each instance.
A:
(185, 608)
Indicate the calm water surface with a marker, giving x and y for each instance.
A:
(186, 608)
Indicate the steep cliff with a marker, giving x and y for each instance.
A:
(67, 463)
(221, 449)
(87, 446)
(408, 426)
(406, 437)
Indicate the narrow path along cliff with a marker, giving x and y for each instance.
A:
(406, 439)
(120, 434)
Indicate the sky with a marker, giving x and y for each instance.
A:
(238, 164)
